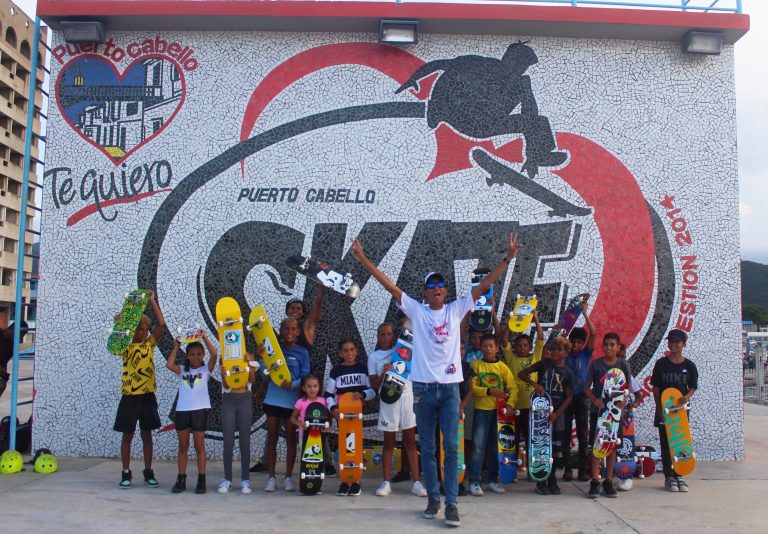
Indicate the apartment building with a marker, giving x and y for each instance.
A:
(16, 38)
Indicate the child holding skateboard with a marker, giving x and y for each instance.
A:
(395, 417)
(673, 371)
(593, 389)
(348, 376)
(192, 407)
(518, 356)
(582, 346)
(310, 392)
(492, 381)
(138, 403)
(280, 401)
(237, 412)
(556, 380)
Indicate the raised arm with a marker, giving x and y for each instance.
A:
(383, 279)
(539, 329)
(171, 364)
(310, 324)
(590, 327)
(512, 249)
(212, 351)
(159, 319)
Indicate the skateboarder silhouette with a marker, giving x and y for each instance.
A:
(476, 96)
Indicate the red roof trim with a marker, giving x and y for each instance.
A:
(557, 14)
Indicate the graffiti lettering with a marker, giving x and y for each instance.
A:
(340, 196)
(182, 54)
(690, 268)
(269, 194)
(101, 190)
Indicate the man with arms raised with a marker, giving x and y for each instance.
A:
(436, 370)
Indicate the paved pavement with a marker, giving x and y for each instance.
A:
(83, 497)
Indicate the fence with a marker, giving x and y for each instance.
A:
(754, 376)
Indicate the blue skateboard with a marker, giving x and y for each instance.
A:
(397, 377)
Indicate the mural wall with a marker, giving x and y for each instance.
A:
(194, 164)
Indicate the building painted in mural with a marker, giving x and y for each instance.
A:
(118, 113)
(586, 131)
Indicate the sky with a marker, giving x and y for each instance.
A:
(752, 126)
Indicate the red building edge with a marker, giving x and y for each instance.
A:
(323, 16)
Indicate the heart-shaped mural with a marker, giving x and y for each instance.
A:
(118, 113)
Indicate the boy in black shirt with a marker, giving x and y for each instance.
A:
(556, 380)
(348, 376)
(594, 390)
(674, 371)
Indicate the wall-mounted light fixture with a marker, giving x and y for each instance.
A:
(85, 31)
(701, 42)
(399, 31)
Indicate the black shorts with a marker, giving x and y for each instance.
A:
(141, 408)
(277, 411)
(194, 420)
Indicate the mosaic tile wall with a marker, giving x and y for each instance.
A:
(194, 164)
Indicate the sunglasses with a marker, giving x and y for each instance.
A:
(433, 285)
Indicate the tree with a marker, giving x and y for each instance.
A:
(754, 313)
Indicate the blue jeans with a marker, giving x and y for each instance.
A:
(434, 402)
(484, 432)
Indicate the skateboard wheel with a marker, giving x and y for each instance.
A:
(322, 476)
(303, 476)
(326, 425)
(341, 415)
(361, 465)
(360, 416)
(341, 467)
(306, 424)
(278, 363)
(221, 323)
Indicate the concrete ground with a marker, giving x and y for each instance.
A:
(83, 497)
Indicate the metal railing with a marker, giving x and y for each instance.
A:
(704, 6)
(754, 376)
(23, 230)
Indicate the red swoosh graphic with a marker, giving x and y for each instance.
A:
(90, 210)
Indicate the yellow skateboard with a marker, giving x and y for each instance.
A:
(522, 313)
(678, 432)
(235, 368)
(263, 333)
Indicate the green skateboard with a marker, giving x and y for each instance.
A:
(127, 321)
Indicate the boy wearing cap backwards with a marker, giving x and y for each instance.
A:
(673, 371)
(582, 346)
(436, 369)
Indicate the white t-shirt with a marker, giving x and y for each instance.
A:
(193, 389)
(378, 359)
(437, 339)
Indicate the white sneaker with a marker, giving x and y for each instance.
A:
(418, 489)
(625, 485)
(476, 490)
(385, 489)
(288, 484)
(245, 487)
(224, 486)
(496, 487)
(270, 484)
